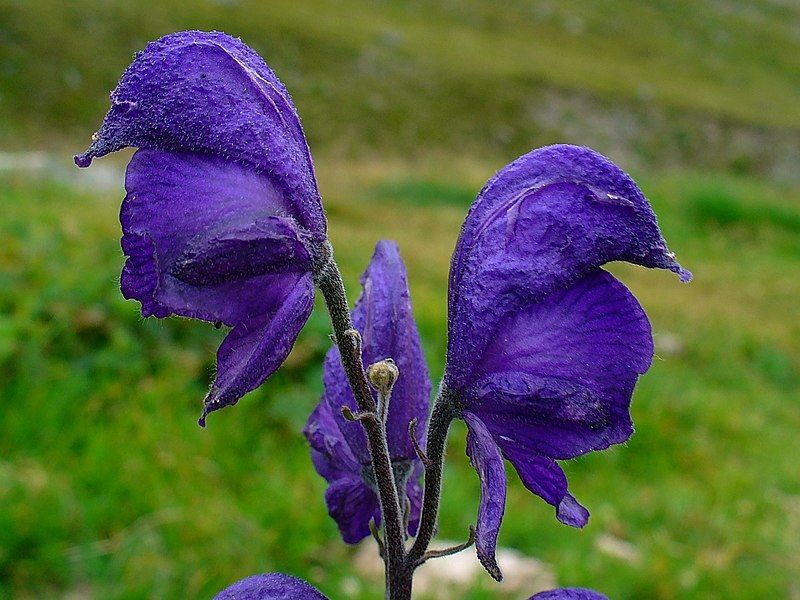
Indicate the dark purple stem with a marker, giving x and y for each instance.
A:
(443, 414)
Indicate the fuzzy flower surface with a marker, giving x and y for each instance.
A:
(569, 594)
(544, 346)
(222, 220)
(383, 316)
(270, 586)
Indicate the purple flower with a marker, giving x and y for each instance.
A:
(270, 586)
(544, 346)
(222, 220)
(339, 450)
(568, 594)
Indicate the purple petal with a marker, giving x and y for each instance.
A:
(384, 317)
(270, 586)
(540, 224)
(558, 377)
(569, 594)
(204, 237)
(327, 466)
(333, 460)
(256, 347)
(352, 504)
(207, 239)
(210, 93)
(336, 394)
(332, 456)
(545, 478)
(485, 457)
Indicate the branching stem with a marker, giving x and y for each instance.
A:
(398, 570)
(412, 432)
(448, 551)
(399, 564)
(443, 414)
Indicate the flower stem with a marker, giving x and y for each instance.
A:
(398, 572)
(443, 414)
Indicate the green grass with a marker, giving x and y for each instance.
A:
(401, 77)
(110, 490)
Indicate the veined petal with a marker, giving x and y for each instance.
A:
(349, 500)
(384, 317)
(542, 223)
(209, 239)
(336, 394)
(210, 93)
(351, 503)
(270, 586)
(256, 347)
(569, 594)
(544, 477)
(204, 237)
(557, 379)
(335, 459)
(485, 457)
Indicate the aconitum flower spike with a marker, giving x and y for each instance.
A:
(384, 318)
(270, 586)
(222, 220)
(544, 346)
(569, 594)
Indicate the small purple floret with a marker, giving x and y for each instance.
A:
(569, 594)
(270, 586)
(384, 317)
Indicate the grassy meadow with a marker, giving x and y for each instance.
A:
(108, 489)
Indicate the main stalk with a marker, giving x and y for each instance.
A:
(398, 573)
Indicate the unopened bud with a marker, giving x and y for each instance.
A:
(382, 375)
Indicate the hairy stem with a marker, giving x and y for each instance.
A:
(449, 551)
(398, 573)
(443, 414)
(383, 406)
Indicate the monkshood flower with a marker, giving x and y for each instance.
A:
(544, 346)
(270, 586)
(384, 318)
(569, 594)
(222, 220)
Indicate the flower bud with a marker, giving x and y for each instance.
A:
(382, 375)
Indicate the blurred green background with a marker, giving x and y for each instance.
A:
(108, 489)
